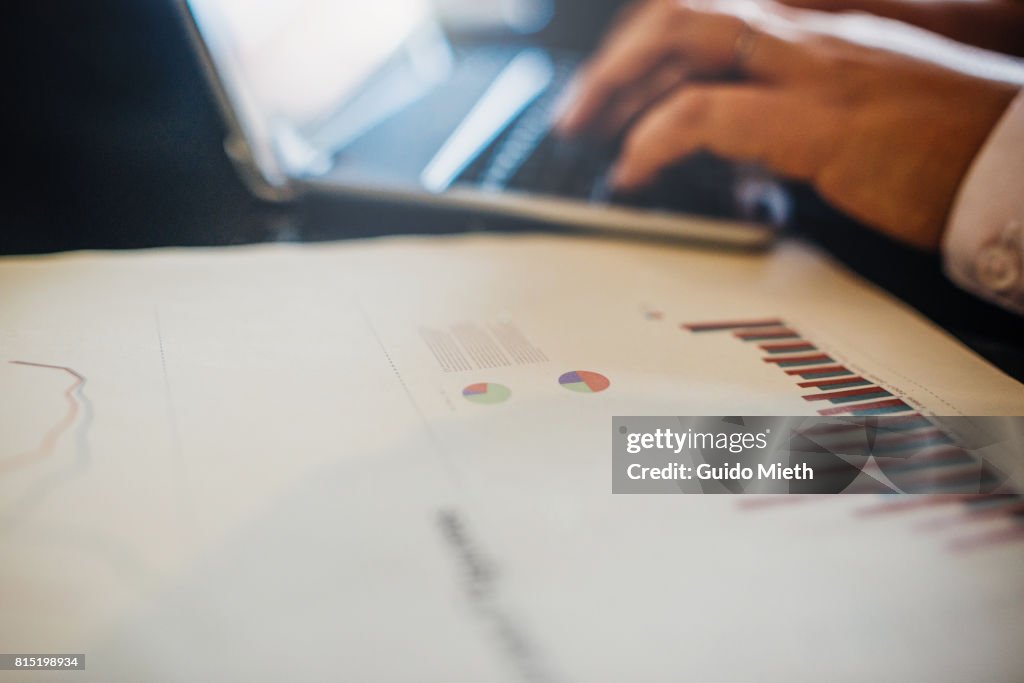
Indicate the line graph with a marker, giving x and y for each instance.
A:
(78, 417)
(77, 403)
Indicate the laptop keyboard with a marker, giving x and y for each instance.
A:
(564, 168)
(528, 157)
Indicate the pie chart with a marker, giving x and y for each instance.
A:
(584, 381)
(486, 393)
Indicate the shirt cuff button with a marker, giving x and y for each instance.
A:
(998, 267)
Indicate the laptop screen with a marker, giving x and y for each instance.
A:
(299, 59)
(283, 67)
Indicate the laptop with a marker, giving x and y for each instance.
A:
(378, 100)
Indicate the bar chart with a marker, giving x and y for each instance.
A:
(836, 388)
(912, 452)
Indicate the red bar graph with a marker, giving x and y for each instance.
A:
(866, 391)
(873, 406)
(911, 503)
(794, 360)
(839, 382)
(732, 325)
(769, 333)
(998, 537)
(791, 347)
(784, 347)
(820, 370)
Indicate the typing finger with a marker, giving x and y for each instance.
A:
(776, 128)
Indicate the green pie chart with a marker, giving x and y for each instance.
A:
(486, 393)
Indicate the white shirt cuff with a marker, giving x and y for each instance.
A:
(984, 240)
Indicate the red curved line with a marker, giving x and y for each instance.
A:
(49, 443)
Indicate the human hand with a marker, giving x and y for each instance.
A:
(883, 136)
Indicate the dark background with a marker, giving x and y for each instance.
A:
(114, 142)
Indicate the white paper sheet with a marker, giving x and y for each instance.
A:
(258, 464)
